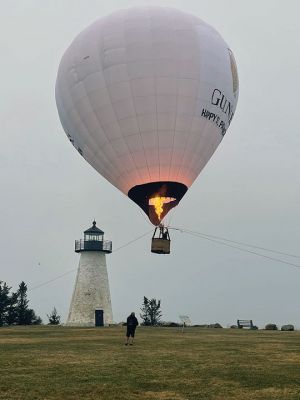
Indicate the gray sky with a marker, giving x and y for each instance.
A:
(249, 191)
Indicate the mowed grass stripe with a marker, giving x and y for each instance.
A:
(88, 363)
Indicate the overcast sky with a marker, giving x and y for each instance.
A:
(249, 191)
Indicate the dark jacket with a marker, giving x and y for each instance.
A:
(132, 321)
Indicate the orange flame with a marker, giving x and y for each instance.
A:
(158, 203)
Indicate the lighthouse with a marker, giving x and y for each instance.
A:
(91, 304)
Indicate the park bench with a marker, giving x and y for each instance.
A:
(246, 323)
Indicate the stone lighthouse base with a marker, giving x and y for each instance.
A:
(91, 291)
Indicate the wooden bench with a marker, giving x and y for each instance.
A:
(246, 323)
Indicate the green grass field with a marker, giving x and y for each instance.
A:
(69, 363)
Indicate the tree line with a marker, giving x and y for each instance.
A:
(14, 309)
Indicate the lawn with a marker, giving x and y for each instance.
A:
(41, 363)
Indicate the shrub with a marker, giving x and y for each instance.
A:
(54, 318)
(288, 327)
(201, 326)
(271, 327)
(216, 325)
(169, 324)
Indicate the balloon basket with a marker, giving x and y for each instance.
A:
(161, 241)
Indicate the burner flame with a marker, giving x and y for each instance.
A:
(158, 203)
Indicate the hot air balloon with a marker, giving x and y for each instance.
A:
(146, 95)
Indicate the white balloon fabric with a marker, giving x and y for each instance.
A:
(146, 96)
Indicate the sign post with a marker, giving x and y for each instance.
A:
(185, 319)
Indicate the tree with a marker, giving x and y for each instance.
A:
(151, 313)
(31, 318)
(154, 312)
(25, 315)
(12, 312)
(4, 302)
(54, 318)
(145, 312)
(22, 304)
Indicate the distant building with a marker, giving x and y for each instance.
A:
(91, 304)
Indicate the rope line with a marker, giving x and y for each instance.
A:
(236, 242)
(74, 269)
(52, 280)
(132, 241)
(211, 238)
(196, 234)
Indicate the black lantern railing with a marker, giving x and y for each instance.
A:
(93, 245)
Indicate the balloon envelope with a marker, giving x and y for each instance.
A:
(146, 96)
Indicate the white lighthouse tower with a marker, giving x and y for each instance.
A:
(91, 304)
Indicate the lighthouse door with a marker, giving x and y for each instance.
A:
(99, 318)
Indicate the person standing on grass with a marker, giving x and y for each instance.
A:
(132, 323)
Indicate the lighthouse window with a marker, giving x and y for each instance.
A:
(93, 237)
